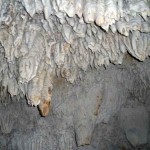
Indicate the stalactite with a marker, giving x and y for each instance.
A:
(65, 37)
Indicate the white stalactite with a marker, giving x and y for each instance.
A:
(41, 39)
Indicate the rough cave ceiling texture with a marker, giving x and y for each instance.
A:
(41, 39)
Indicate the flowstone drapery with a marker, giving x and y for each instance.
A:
(41, 39)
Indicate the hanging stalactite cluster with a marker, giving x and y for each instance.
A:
(41, 39)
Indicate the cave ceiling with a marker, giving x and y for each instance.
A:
(43, 39)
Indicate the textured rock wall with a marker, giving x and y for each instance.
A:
(42, 39)
(44, 44)
(108, 110)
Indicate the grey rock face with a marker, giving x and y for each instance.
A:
(86, 148)
(83, 115)
(43, 44)
(135, 122)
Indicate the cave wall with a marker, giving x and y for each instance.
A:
(82, 63)
(42, 39)
(108, 109)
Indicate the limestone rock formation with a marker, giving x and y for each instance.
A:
(63, 38)
(44, 43)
